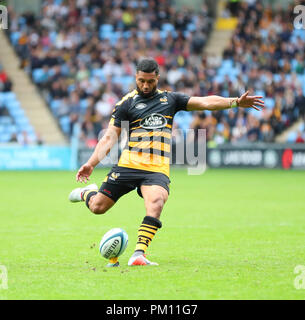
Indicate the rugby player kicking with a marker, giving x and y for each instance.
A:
(144, 162)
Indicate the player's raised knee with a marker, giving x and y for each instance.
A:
(100, 204)
(98, 209)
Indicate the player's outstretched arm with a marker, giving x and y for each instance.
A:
(220, 103)
(101, 150)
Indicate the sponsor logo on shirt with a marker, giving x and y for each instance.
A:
(140, 106)
(153, 121)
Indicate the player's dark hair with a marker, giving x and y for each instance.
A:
(148, 65)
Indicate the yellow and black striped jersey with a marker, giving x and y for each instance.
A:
(150, 128)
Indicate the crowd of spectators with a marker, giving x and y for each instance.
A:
(266, 53)
(82, 54)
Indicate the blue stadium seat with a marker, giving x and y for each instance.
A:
(118, 34)
(17, 113)
(255, 113)
(13, 104)
(1, 98)
(225, 93)
(106, 28)
(128, 81)
(127, 34)
(260, 93)
(244, 77)
(15, 35)
(183, 119)
(29, 129)
(83, 104)
(53, 36)
(114, 38)
(143, 4)
(106, 31)
(64, 70)
(220, 127)
(301, 78)
(281, 62)
(219, 78)
(264, 33)
(107, 36)
(133, 4)
(22, 22)
(233, 77)
(298, 33)
(168, 27)
(6, 120)
(51, 72)
(124, 81)
(174, 34)
(292, 136)
(71, 87)
(269, 102)
(5, 137)
(294, 63)
(140, 34)
(148, 35)
(98, 73)
(65, 124)
(163, 34)
(39, 75)
(55, 104)
(227, 64)
(227, 68)
(11, 129)
(17, 121)
(9, 96)
(22, 121)
(3, 128)
(276, 77)
(186, 33)
(191, 27)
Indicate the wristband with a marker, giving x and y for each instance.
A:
(234, 103)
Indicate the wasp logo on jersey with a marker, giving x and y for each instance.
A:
(163, 100)
(153, 121)
(114, 176)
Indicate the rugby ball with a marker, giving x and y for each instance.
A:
(113, 243)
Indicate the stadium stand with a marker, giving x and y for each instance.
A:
(82, 56)
(14, 124)
(266, 56)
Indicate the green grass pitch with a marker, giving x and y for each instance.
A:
(227, 234)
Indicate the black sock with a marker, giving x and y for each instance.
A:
(146, 232)
(87, 195)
